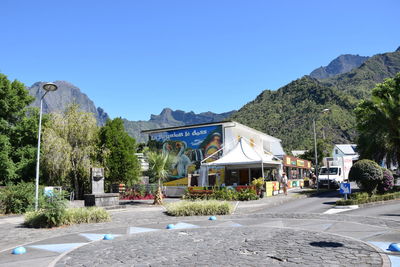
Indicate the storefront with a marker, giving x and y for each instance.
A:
(201, 150)
(296, 169)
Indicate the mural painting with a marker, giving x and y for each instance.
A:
(190, 147)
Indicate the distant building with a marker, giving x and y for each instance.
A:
(298, 153)
(342, 150)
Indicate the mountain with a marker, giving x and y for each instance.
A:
(288, 112)
(171, 118)
(339, 65)
(66, 94)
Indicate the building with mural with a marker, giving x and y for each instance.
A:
(223, 153)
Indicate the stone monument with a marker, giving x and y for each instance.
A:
(98, 197)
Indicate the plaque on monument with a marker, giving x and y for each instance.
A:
(97, 180)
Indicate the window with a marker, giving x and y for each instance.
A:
(332, 171)
(336, 151)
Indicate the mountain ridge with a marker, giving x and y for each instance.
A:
(287, 113)
(171, 118)
(341, 64)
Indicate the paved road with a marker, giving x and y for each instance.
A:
(390, 211)
(278, 231)
(316, 204)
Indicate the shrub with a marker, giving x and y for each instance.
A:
(362, 198)
(387, 182)
(201, 207)
(359, 195)
(224, 193)
(247, 194)
(367, 174)
(40, 219)
(18, 198)
(86, 215)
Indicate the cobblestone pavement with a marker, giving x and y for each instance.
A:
(235, 246)
(260, 239)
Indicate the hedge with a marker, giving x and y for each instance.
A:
(200, 207)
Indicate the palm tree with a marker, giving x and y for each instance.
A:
(378, 122)
(159, 165)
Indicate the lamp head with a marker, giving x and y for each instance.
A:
(50, 87)
(325, 110)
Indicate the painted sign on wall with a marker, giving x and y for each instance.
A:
(190, 147)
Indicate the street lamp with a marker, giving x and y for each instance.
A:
(48, 87)
(315, 148)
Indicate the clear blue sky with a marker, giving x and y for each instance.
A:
(134, 58)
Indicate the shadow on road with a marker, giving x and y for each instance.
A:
(325, 244)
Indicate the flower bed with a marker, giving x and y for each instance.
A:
(137, 197)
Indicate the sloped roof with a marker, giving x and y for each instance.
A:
(297, 153)
(348, 149)
(243, 154)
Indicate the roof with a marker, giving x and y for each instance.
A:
(243, 154)
(347, 149)
(206, 124)
(297, 153)
(277, 149)
(183, 127)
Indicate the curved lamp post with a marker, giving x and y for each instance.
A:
(315, 147)
(48, 87)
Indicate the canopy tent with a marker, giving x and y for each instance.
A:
(244, 154)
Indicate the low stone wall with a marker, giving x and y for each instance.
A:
(102, 200)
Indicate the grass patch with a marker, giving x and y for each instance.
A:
(199, 207)
(48, 219)
(362, 198)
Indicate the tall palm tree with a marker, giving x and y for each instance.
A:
(159, 165)
(378, 122)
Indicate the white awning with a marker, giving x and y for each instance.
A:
(244, 154)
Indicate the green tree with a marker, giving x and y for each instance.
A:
(7, 166)
(159, 165)
(378, 122)
(18, 132)
(121, 162)
(367, 174)
(70, 149)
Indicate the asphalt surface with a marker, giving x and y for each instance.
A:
(278, 231)
(390, 211)
(314, 204)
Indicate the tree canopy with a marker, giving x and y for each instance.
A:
(122, 165)
(70, 149)
(18, 132)
(378, 122)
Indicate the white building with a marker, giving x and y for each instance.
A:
(342, 150)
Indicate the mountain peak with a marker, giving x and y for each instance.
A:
(66, 94)
(341, 64)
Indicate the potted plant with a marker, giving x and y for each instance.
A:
(259, 184)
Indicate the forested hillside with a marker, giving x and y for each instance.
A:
(288, 112)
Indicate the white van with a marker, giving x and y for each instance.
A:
(335, 171)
